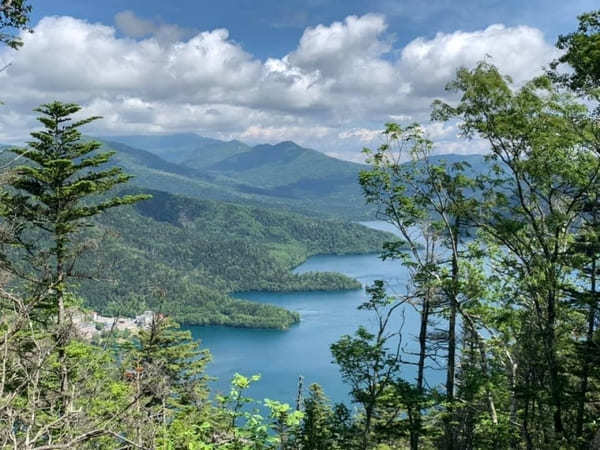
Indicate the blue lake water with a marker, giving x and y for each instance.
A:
(282, 356)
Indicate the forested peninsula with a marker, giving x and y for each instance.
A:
(202, 251)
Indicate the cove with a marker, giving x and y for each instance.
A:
(280, 357)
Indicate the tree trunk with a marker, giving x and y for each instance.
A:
(451, 370)
(415, 432)
(299, 397)
(586, 354)
(513, 394)
(61, 338)
(368, 418)
(555, 387)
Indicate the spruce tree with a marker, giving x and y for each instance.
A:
(167, 367)
(317, 433)
(49, 200)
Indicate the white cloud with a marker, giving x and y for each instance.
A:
(518, 51)
(363, 134)
(439, 130)
(128, 23)
(348, 52)
(276, 134)
(333, 92)
(131, 25)
(400, 117)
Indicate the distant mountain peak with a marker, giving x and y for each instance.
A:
(288, 143)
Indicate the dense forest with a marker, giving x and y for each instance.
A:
(201, 252)
(503, 264)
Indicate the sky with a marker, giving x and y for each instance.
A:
(327, 74)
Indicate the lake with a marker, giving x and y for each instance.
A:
(282, 356)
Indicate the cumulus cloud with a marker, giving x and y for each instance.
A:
(518, 51)
(131, 25)
(345, 49)
(363, 134)
(259, 133)
(333, 91)
(128, 23)
(439, 130)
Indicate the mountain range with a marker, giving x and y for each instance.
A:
(283, 175)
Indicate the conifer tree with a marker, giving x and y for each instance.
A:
(317, 433)
(167, 368)
(50, 200)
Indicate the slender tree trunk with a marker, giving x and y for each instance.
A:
(299, 397)
(513, 395)
(415, 432)
(555, 387)
(480, 341)
(587, 353)
(423, 343)
(164, 422)
(451, 370)
(527, 414)
(138, 431)
(61, 324)
(368, 419)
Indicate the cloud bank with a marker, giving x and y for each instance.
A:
(334, 91)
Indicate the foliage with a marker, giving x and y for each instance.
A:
(45, 206)
(14, 16)
(317, 426)
(582, 55)
(368, 363)
(166, 368)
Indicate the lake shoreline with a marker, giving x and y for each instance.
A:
(304, 348)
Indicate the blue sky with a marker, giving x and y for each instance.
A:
(327, 74)
(273, 27)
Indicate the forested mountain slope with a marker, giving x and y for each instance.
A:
(279, 165)
(187, 148)
(199, 252)
(284, 175)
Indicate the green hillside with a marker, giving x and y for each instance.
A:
(284, 175)
(201, 252)
(285, 164)
(189, 149)
(153, 172)
(212, 153)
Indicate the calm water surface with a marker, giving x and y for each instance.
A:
(282, 356)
